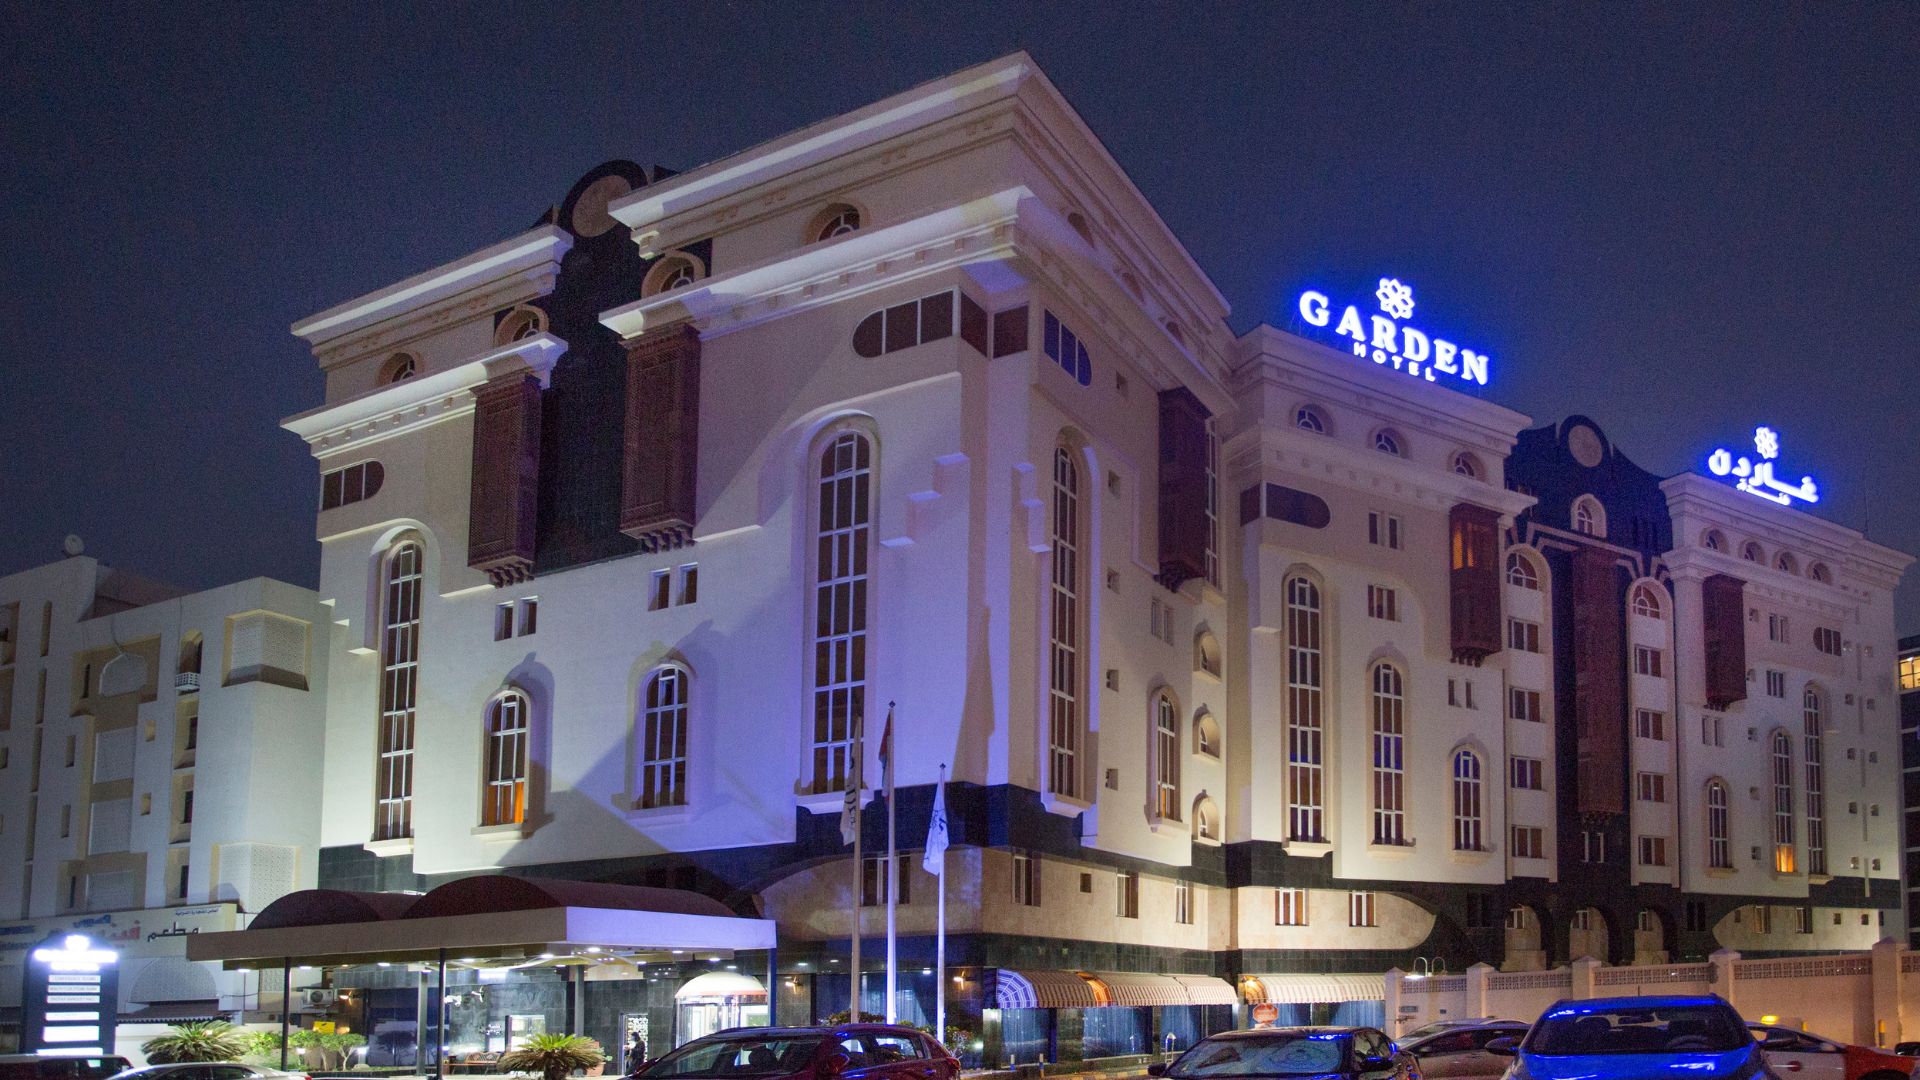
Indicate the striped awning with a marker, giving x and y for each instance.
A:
(1308, 989)
(1042, 990)
(1132, 989)
(1208, 990)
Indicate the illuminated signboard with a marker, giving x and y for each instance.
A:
(1385, 338)
(71, 998)
(1756, 477)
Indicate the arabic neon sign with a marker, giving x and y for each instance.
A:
(1385, 339)
(1756, 477)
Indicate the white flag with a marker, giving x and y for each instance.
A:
(935, 860)
(850, 808)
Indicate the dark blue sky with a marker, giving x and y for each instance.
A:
(1683, 220)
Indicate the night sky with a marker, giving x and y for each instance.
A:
(1681, 220)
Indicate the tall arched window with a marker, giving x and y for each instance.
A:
(503, 797)
(663, 739)
(1066, 712)
(1206, 819)
(1389, 757)
(1469, 817)
(1719, 829)
(1166, 757)
(1813, 715)
(399, 690)
(1645, 601)
(1520, 571)
(1305, 791)
(842, 547)
(1588, 517)
(1783, 855)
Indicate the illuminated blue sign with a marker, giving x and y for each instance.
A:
(1383, 339)
(1756, 478)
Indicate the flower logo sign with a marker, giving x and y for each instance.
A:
(1756, 477)
(1386, 340)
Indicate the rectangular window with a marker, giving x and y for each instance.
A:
(1694, 916)
(1525, 772)
(689, 583)
(1777, 684)
(1802, 920)
(72, 750)
(1712, 731)
(1183, 903)
(343, 487)
(1523, 704)
(1305, 731)
(502, 621)
(1652, 787)
(1762, 919)
(658, 585)
(1453, 692)
(1647, 661)
(1593, 846)
(1383, 603)
(1653, 851)
(1289, 907)
(873, 879)
(529, 615)
(1523, 636)
(1213, 505)
(1650, 724)
(1026, 879)
(1360, 909)
(1383, 530)
(1827, 640)
(1127, 894)
(66, 821)
(1066, 647)
(399, 691)
(1777, 628)
(180, 882)
(1067, 350)
(1909, 672)
(186, 807)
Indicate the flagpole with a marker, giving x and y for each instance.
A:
(940, 937)
(893, 879)
(855, 782)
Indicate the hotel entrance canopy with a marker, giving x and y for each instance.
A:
(489, 916)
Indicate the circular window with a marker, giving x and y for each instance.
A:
(1584, 444)
(836, 220)
(590, 217)
(399, 366)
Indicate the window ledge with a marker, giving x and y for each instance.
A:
(1206, 841)
(1064, 805)
(661, 814)
(1205, 755)
(826, 802)
(1309, 848)
(1470, 856)
(387, 849)
(1161, 826)
(1722, 872)
(1391, 851)
(512, 830)
(1818, 879)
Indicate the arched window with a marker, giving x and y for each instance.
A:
(1469, 466)
(519, 324)
(1819, 572)
(1783, 853)
(1166, 757)
(1066, 712)
(1206, 735)
(1719, 829)
(663, 739)
(399, 690)
(1753, 552)
(1079, 223)
(1520, 571)
(1206, 653)
(399, 366)
(1389, 757)
(191, 648)
(1206, 819)
(842, 547)
(1646, 601)
(503, 796)
(1309, 418)
(1589, 518)
(670, 272)
(1714, 540)
(1813, 715)
(836, 220)
(1785, 561)
(1305, 792)
(1469, 818)
(1387, 441)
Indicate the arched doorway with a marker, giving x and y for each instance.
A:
(1524, 948)
(1649, 938)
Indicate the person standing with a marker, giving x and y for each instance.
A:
(636, 1053)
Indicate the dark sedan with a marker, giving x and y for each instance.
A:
(1352, 1053)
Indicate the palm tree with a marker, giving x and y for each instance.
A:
(214, 1040)
(554, 1057)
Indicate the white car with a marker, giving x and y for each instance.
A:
(203, 1070)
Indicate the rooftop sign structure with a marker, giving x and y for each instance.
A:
(1756, 477)
(1385, 339)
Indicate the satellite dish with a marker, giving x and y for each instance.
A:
(72, 545)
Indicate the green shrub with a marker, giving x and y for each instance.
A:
(554, 1057)
(214, 1040)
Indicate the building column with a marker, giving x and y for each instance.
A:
(1723, 961)
(1477, 989)
(1887, 954)
(1582, 976)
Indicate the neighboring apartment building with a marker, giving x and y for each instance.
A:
(156, 778)
(1910, 775)
(1247, 658)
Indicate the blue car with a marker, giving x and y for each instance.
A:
(1637, 1038)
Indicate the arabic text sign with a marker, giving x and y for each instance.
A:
(150, 932)
(1386, 339)
(1756, 477)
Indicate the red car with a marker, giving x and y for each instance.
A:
(849, 1051)
(1801, 1055)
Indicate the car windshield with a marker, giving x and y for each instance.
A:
(745, 1055)
(1697, 1029)
(1279, 1054)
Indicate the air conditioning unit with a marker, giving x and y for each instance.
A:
(320, 999)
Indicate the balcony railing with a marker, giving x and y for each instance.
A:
(187, 682)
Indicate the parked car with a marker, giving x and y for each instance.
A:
(1907, 1049)
(852, 1051)
(1461, 1051)
(54, 1067)
(1637, 1038)
(1355, 1053)
(1448, 1025)
(1802, 1055)
(223, 1070)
